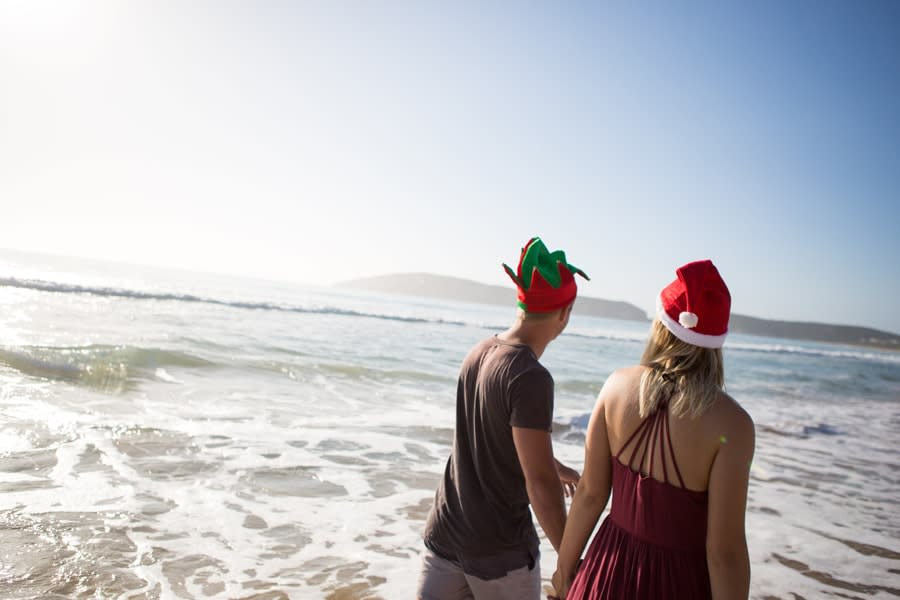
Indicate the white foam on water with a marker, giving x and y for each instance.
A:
(886, 356)
(358, 527)
(163, 375)
(6, 477)
(11, 441)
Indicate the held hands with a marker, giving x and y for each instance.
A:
(568, 477)
(561, 587)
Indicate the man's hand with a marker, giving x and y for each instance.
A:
(568, 477)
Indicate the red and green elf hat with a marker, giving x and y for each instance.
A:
(545, 281)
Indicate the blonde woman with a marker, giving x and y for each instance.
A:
(675, 450)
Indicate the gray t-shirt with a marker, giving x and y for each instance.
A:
(480, 516)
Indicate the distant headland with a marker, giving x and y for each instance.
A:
(439, 286)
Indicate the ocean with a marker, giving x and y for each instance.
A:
(174, 435)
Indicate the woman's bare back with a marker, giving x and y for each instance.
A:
(695, 442)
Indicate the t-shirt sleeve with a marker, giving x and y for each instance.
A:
(531, 400)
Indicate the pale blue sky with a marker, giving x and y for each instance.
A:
(323, 141)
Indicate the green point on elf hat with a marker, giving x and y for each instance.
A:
(545, 281)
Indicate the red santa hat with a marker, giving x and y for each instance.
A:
(696, 306)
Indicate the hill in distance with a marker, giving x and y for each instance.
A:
(428, 285)
(452, 288)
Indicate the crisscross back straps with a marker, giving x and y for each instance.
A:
(649, 435)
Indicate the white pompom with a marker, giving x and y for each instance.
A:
(688, 319)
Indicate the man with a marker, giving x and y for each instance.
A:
(480, 540)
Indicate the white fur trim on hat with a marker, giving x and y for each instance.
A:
(683, 333)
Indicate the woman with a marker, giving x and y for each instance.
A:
(675, 450)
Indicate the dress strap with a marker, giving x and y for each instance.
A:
(659, 424)
(648, 436)
(665, 421)
(641, 431)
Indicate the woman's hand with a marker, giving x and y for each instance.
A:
(568, 477)
(561, 587)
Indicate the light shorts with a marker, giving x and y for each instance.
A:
(442, 579)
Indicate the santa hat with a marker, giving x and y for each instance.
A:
(545, 281)
(696, 306)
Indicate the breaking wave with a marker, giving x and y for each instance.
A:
(108, 292)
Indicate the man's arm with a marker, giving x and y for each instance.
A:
(545, 492)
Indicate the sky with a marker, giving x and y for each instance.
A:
(322, 141)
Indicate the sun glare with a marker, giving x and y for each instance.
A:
(40, 18)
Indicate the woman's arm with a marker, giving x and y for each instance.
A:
(726, 542)
(590, 496)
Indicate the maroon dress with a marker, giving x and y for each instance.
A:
(653, 543)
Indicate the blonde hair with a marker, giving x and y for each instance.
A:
(689, 376)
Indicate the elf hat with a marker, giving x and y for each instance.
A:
(545, 281)
(695, 307)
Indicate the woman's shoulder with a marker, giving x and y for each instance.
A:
(622, 382)
(731, 416)
(626, 375)
(621, 388)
